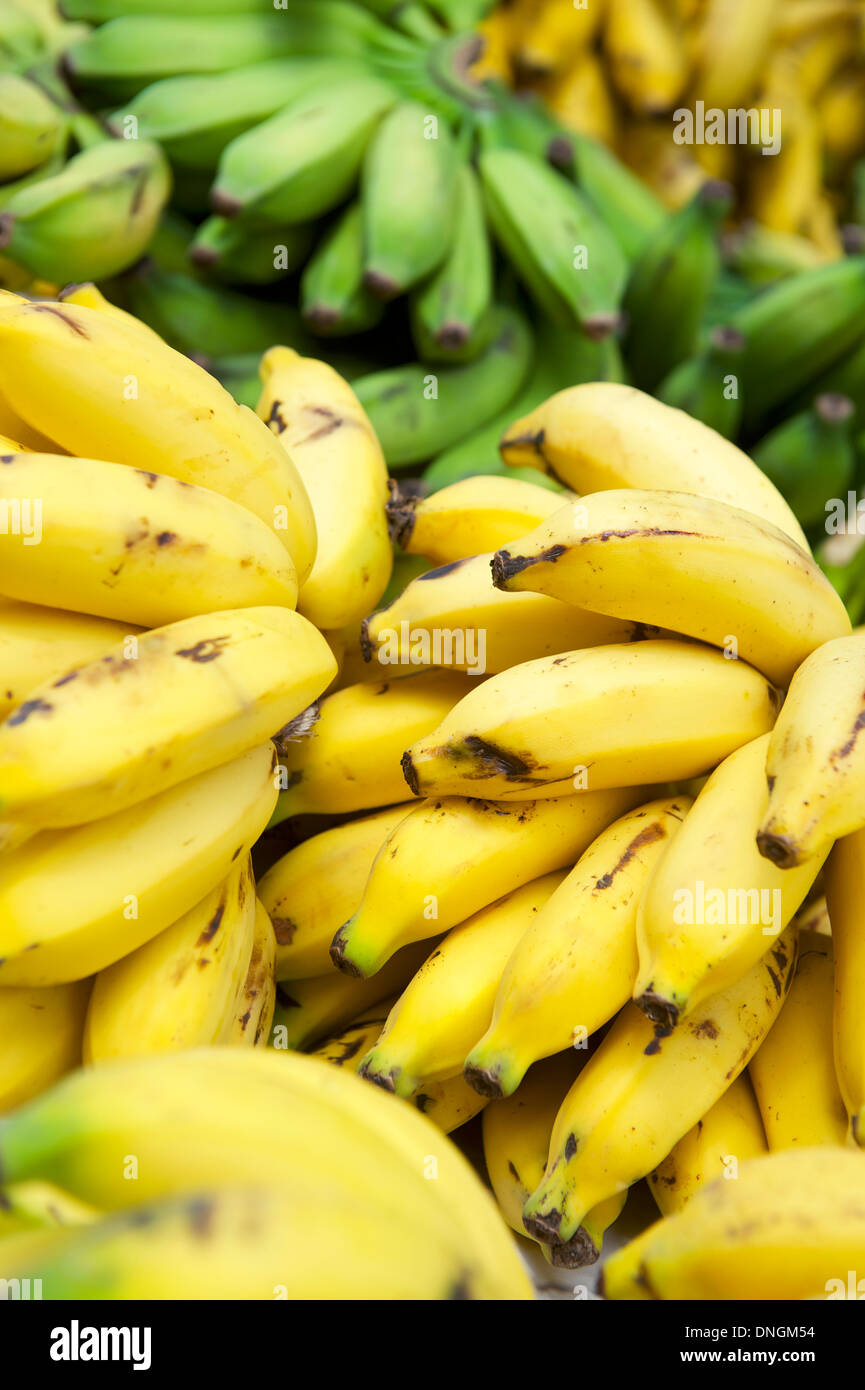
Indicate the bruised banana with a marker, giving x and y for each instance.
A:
(726, 1135)
(845, 882)
(468, 518)
(687, 563)
(40, 1038)
(38, 645)
(256, 1004)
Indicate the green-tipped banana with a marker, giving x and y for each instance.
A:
(244, 254)
(811, 456)
(630, 209)
(706, 386)
(417, 412)
(451, 316)
(31, 127)
(333, 297)
(92, 220)
(670, 283)
(566, 257)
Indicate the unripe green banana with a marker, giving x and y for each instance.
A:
(451, 313)
(670, 283)
(304, 160)
(22, 41)
(810, 456)
(566, 257)
(706, 386)
(92, 220)
(763, 254)
(846, 377)
(630, 209)
(333, 297)
(417, 413)
(31, 126)
(100, 11)
(523, 123)
(247, 254)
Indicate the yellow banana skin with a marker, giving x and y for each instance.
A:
(646, 55)
(687, 563)
(616, 715)
(40, 1038)
(112, 391)
(449, 1001)
(603, 435)
(454, 617)
(254, 1011)
(714, 905)
(41, 644)
(793, 1072)
(351, 759)
(179, 989)
(645, 1088)
(575, 965)
(186, 698)
(845, 883)
(743, 1240)
(726, 1135)
(469, 517)
(316, 886)
(732, 42)
(317, 417)
(34, 1206)
(74, 901)
(816, 759)
(134, 546)
(447, 859)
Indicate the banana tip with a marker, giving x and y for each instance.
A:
(381, 285)
(385, 1080)
(544, 1226)
(452, 336)
(483, 1080)
(601, 326)
(203, 255)
(409, 772)
(223, 204)
(337, 954)
(662, 1012)
(780, 850)
(580, 1250)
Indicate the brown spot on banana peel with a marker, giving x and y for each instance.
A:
(663, 1028)
(400, 511)
(648, 836)
(338, 956)
(386, 1080)
(847, 748)
(298, 728)
(212, 927)
(505, 566)
(26, 711)
(275, 423)
(409, 772)
(707, 1029)
(575, 1253)
(533, 440)
(208, 649)
(52, 308)
(484, 1080)
(544, 1226)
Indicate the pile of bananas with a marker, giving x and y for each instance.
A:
(540, 789)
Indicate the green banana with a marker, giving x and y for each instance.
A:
(410, 18)
(670, 283)
(22, 41)
(416, 413)
(304, 160)
(249, 255)
(811, 457)
(100, 11)
(558, 246)
(523, 123)
(633, 213)
(92, 220)
(460, 15)
(31, 126)
(706, 386)
(846, 377)
(333, 297)
(451, 313)
(763, 254)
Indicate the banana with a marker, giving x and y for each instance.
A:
(22, 40)
(449, 1001)
(451, 311)
(92, 220)
(516, 1138)
(733, 42)
(246, 254)
(317, 417)
(599, 554)
(351, 759)
(555, 36)
(841, 114)
(34, 1206)
(333, 296)
(31, 126)
(40, 1038)
(580, 97)
(645, 53)
(183, 699)
(644, 1089)
(726, 1135)
(792, 1073)
(715, 903)
(89, 296)
(38, 645)
(180, 988)
(448, 859)
(575, 965)
(628, 206)
(813, 916)
(417, 412)
(706, 386)
(75, 901)
(575, 272)
(669, 286)
(17, 436)
(317, 885)
(136, 547)
(814, 763)
(845, 875)
(762, 256)
(743, 1239)
(603, 435)
(305, 159)
(255, 1007)
(815, 443)
(307, 1010)
(612, 716)
(110, 392)
(469, 517)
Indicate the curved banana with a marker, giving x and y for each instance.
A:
(34, 1206)
(687, 563)
(646, 55)
(728, 1133)
(472, 516)
(575, 964)
(732, 44)
(40, 1038)
(845, 883)
(39, 644)
(255, 1007)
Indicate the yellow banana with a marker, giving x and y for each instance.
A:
(41, 644)
(726, 1135)
(646, 55)
(75, 901)
(89, 296)
(732, 42)
(447, 859)
(580, 96)
(575, 965)
(787, 185)
(689, 564)
(841, 115)
(714, 905)
(845, 883)
(255, 1007)
(645, 1088)
(814, 916)
(797, 18)
(34, 1206)
(469, 517)
(317, 417)
(40, 1038)
(557, 34)
(16, 432)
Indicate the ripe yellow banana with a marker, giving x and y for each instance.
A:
(744, 1240)
(845, 885)
(120, 543)
(645, 1088)
(17, 435)
(111, 391)
(816, 759)
(687, 563)
(179, 989)
(575, 965)
(611, 716)
(179, 701)
(555, 36)
(448, 1003)
(89, 296)
(317, 417)
(646, 55)
(729, 1133)
(40, 644)
(793, 1072)
(74, 901)
(40, 1038)
(255, 1007)
(603, 435)
(447, 859)
(469, 517)
(33, 1206)
(714, 906)
(732, 42)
